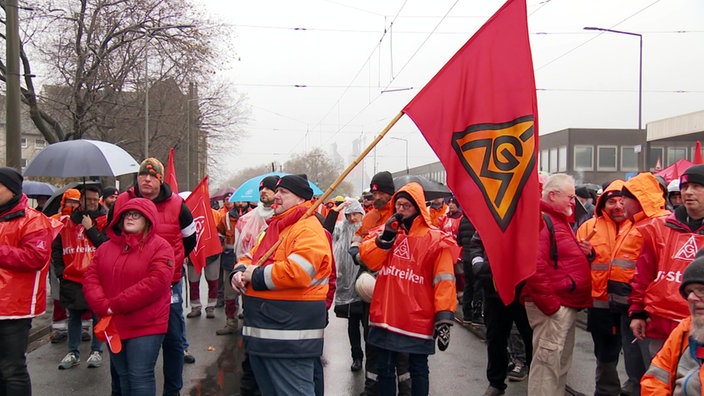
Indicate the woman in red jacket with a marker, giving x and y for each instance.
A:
(130, 278)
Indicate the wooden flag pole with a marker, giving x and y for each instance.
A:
(337, 182)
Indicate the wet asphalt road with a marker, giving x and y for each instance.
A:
(458, 371)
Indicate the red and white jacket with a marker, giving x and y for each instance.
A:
(25, 249)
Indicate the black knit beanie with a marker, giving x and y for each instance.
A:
(404, 194)
(297, 184)
(694, 273)
(384, 182)
(11, 179)
(695, 174)
(269, 182)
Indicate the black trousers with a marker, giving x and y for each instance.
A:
(499, 319)
(14, 377)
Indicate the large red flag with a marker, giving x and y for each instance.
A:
(698, 154)
(479, 114)
(171, 172)
(206, 232)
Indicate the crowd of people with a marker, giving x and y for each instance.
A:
(395, 264)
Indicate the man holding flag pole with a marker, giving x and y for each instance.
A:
(479, 114)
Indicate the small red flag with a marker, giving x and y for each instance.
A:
(206, 232)
(171, 172)
(698, 154)
(479, 114)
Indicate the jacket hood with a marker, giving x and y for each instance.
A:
(646, 188)
(416, 192)
(614, 187)
(143, 205)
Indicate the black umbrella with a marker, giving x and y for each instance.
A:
(431, 188)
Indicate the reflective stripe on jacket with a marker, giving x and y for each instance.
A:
(675, 369)
(288, 317)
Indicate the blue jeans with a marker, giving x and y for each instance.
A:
(284, 377)
(386, 367)
(173, 343)
(14, 377)
(135, 365)
(75, 329)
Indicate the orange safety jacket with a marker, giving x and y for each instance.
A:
(436, 214)
(285, 301)
(602, 232)
(675, 367)
(415, 286)
(77, 249)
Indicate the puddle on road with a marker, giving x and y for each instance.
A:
(223, 377)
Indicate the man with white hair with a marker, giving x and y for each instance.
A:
(676, 369)
(559, 288)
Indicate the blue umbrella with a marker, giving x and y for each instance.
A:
(32, 189)
(249, 190)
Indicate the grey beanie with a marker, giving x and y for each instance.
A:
(694, 273)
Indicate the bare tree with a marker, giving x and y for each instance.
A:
(94, 51)
(320, 168)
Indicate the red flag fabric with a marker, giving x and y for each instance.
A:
(206, 232)
(479, 114)
(698, 154)
(171, 172)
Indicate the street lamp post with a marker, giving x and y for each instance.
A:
(640, 78)
(405, 141)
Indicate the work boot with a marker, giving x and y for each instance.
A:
(606, 379)
(230, 327)
(195, 312)
(209, 312)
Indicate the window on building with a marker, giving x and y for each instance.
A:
(629, 159)
(655, 154)
(606, 158)
(39, 143)
(544, 160)
(675, 154)
(562, 159)
(583, 158)
(553, 160)
(23, 162)
(23, 142)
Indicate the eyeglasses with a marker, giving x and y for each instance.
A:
(570, 197)
(697, 292)
(403, 205)
(133, 214)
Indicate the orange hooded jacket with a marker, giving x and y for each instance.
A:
(415, 286)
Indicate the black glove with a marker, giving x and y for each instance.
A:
(386, 239)
(478, 267)
(353, 250)
(442, 333)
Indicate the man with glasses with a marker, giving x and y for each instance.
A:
(72, 251)
(382, 188)
(676, 367)
(669, 245)
(175, 224)
(559, 288)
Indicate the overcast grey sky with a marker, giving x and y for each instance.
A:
(342, 60)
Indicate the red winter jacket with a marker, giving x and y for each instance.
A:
(567, 282)
(131, 275)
